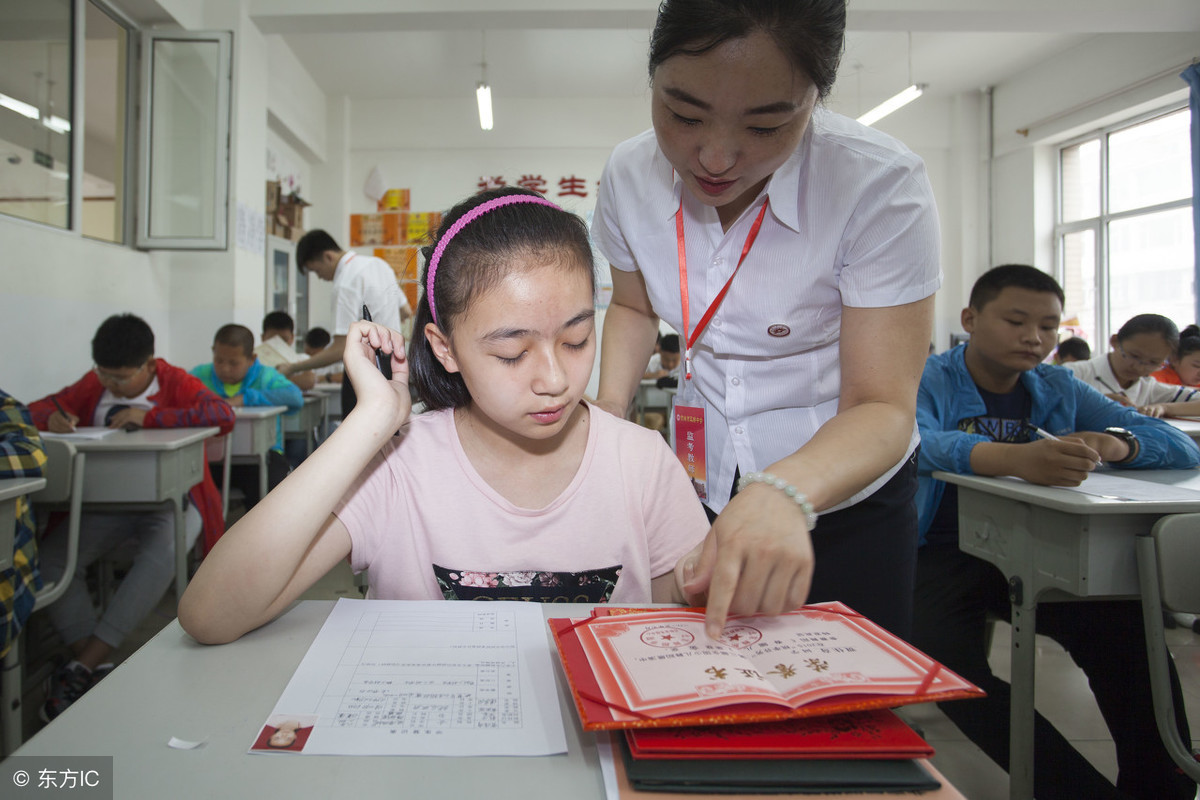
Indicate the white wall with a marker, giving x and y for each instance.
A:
(58, 286)
(1102, 81)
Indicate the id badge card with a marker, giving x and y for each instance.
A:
(687, 428)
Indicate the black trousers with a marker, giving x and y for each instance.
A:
(866, 554)
(1106, 638)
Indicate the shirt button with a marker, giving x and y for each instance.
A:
(736, 381)
(716, 322)
(718, 261)
(738, 430)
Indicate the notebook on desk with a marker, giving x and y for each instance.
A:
(81, 433)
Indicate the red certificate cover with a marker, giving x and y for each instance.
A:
(878, 733)
(660, 669)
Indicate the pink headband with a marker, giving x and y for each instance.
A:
(462, 222)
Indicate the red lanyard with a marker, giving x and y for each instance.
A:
(681, 248)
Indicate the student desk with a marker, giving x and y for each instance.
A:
(332, 392)
(1189, 426)
(1053, 543)
(252, 439)
(136, 469)
(222, 695)
(650, 396)
(12, 489)
(304, 422)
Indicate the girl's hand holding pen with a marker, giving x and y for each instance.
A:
(387, 396)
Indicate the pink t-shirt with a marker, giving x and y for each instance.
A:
(426, 526)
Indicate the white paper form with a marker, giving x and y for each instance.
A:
(81, 433)
(394, 677)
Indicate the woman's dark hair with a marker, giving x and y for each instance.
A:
(122, 340)
(1189, 342)
(477, 259)
(812, 33)
(1150, 323)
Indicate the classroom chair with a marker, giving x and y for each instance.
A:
(1168, 561)
(64, 487)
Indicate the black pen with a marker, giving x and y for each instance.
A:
(1103, 383)
(62, 411)
(380, 360)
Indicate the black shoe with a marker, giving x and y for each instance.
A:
(67, 686)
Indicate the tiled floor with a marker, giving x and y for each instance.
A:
(1062, 692)
(1064, 698)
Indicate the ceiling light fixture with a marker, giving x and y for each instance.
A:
(483, 92)
(898, 100)
(24, 109)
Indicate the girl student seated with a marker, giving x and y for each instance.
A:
(1139, 348)
(510, 485)
(1183, 367)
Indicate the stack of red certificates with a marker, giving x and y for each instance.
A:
(795, 703)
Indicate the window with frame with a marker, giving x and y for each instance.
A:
(1124, 230)
(68, 129)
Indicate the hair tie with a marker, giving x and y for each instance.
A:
(462, 222)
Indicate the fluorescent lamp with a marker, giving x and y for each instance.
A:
(483, 95)
(57, 124)
(893, 103)
(24, 109)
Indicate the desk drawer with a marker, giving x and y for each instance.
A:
(149, 476)
(253, 436)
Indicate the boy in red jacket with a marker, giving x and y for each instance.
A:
(126, 388)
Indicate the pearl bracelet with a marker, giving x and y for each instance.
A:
(810, 514)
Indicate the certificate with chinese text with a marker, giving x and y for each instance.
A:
(660, 668)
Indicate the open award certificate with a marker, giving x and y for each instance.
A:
(391, 677)
(631, 669)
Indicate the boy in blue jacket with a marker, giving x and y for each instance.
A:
(977, 408)
(238, 377)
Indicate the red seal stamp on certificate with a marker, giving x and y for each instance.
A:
(740, 636)
(667, 636)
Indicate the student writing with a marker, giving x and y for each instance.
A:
(511, 485)
(978, 408)
(1140, 347)
(126, 386)
(241, 379)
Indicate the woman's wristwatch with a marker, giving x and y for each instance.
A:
(1129, 439)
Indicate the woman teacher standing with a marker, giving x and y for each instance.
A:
(824, 235)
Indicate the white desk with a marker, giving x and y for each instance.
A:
(332, 392)
(308, 419)
(222, 695)
(11, 490)
(1189, 426)
(145, 468)
(650, 396)
(1049, 542)
(252, 439)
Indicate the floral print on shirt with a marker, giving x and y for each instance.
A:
(589, 586)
